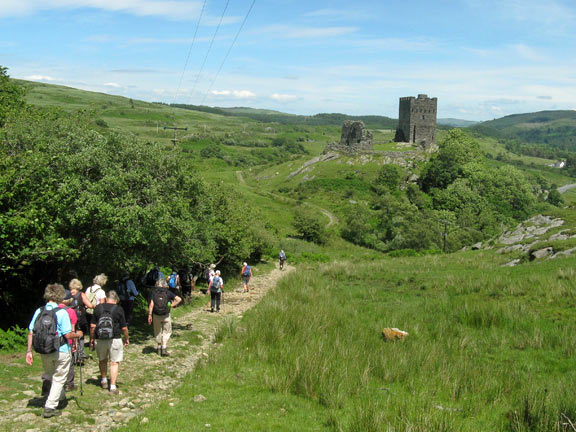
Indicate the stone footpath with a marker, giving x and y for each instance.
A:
(137, 392)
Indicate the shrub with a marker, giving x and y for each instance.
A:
(13, 339)
(309, 227)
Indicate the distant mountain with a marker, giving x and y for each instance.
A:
(456, 122)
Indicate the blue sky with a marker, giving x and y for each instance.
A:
(482, 59)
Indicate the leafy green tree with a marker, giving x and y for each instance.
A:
(390, 177)
(309, 227)
(72, 198)
(455, 152)
(11, 96)
(555, 198)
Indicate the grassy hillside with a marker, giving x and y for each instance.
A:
(550, 134)
(489, 350)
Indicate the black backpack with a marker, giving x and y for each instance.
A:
(45, 339)
(160, 300)
(184, 277)
(152, 277)
(105, 325)
(79, 308)
(206, 274)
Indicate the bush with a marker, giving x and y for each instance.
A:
(309, 227)
(13, 339)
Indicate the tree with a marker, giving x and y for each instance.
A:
(555, 198)
(11, 96)
(309, 227)
(455, 152)
(390, 177)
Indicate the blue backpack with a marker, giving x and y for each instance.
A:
(172, 280)
(246, 271)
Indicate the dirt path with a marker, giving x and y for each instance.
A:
(566, 188)
(192, 339)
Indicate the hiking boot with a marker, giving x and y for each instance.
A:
(115, 391)
(159, 350)
(211, 309)
(165, 353)
(104, 384)
(51, 412)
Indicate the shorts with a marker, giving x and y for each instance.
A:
(113, 348)
(245, 280)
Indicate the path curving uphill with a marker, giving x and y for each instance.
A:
(145, 378)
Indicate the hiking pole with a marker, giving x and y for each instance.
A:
(81, 379)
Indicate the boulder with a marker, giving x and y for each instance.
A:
(541, 253)
(477, 246)
(391, 334)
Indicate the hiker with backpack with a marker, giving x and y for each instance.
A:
(216, 290)
(174, 282)
(127, 292)
(106, 329)
(187, 283)
(80, 303)
(159, 315)
(208, 275)
(152, 277)
(246, 274)
(48, 334)
(96, 294)
(282, 258)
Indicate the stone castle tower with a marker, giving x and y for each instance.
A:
(417, 121)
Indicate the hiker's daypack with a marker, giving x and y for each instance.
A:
(160, 300)
(91, 294)
(246, 271)
(206, 274)
(172, 280)
(184, 277)
(216, 284)
(79, 308)
(45, 339)
(282, 256)
(105, 325)
(152, 277)
(122, 291)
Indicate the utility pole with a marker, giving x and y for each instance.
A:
(175, 129)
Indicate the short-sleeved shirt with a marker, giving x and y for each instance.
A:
(170, 294)
(100, 294)
(118, 318)
(63, 325)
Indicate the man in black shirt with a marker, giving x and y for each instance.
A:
(159, 307)
(108, 324)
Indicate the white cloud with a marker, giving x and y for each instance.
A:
(396, 44)
(528, 53)
(238, 94)
(293, 32)
(112, 84)
(174, 10)
(39, 78)
(283, 97)
(340, 14)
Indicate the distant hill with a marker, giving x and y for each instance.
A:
(271, 116)
(456, 122)
(549, 134)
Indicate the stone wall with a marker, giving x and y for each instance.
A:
(417, 121)
(355, 139)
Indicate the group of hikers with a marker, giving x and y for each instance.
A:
(57, 330)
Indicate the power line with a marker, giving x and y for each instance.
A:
(190, 51)
(209, 48)
(228, 52)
